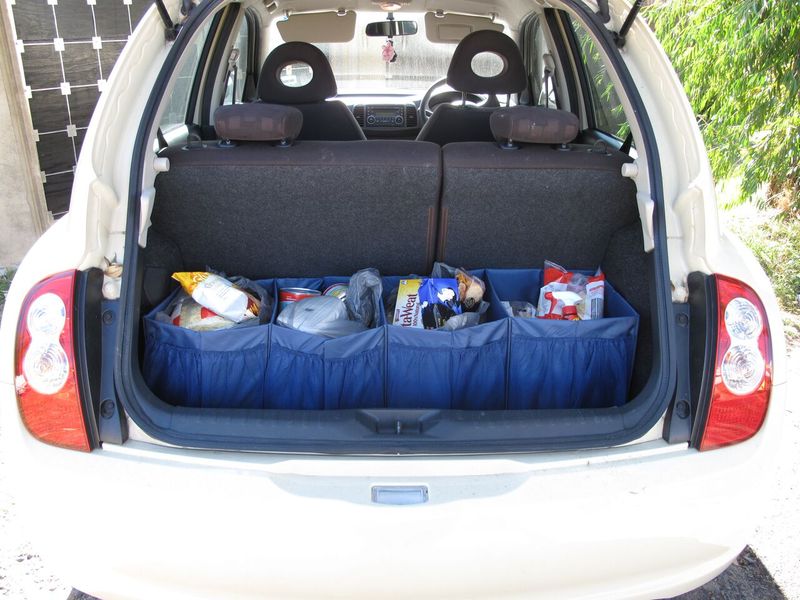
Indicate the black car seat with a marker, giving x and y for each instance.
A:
(450, 123)
(323, 120)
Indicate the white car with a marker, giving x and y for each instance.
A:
(624, 454)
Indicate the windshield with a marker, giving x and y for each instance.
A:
(359, 65)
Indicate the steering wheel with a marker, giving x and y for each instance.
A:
(431, 100)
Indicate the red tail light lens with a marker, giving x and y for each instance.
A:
(46, 380)
(743, 367)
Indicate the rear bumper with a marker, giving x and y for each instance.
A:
(149, 522)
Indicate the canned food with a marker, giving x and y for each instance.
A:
(288, 295)
(337, 290)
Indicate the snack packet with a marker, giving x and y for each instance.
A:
(219, 295)
(470, 288)
(188, 313)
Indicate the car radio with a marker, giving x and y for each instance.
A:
(386, 116)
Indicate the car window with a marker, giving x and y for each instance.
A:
(238, 75)
(609, 116)
(539, 64)
(178, 103)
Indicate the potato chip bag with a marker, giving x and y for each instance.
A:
(219, 295)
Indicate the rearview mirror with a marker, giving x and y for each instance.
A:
(391, 28)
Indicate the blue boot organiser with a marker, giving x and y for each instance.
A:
(564, 364)
(504, 363)
(206, 369)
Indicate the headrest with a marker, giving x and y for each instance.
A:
(257, 122)
(321, 86)
(534, 125)
(510, 80)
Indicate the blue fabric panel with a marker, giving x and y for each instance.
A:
(354, 370)
(569, 364)
(463, 369)
(295, 372)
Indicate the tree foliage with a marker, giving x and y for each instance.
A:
(740, 64)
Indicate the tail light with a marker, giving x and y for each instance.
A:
(742, 369)
(46, 380)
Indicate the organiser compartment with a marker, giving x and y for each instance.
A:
(463, 369)
(565, 364)
(308, 371)
(206, 369)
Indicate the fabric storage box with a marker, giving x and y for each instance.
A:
(564, 364)
(206, 369)
(504, 363)
(463, 369)
(313, 372)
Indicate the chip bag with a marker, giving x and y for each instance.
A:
(189, 314)
(219, 295)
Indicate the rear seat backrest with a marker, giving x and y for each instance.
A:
(306, 209)
(531, 196)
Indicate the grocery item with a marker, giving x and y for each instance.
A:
(426, 303)
(337, 290)
(470, 288)
(585, 293)
(288, 295)
(519, 308)
(219, 295)
(364, 297)
(186, 312)
(320, 315)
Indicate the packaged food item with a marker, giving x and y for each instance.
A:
(470, 288)
(288, 295)
(320, 315)
(563, 288)
(219, 295)
(337, 290)
(186, 312)
(426, 303)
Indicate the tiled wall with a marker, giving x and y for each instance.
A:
(68, 48)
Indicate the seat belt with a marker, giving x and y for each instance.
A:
(233, 59)
(626, 145)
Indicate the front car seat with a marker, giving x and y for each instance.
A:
(322, 120)
(450, 123)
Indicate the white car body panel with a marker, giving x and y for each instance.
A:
(147, 521)
(144, 520)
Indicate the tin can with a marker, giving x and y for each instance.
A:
(337, 290)
(288, 295)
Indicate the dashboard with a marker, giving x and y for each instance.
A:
(385, 116)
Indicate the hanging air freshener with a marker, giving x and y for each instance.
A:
(387, 52)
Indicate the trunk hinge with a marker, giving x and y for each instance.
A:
(604, 14)
(171, 29)
(678, 421)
